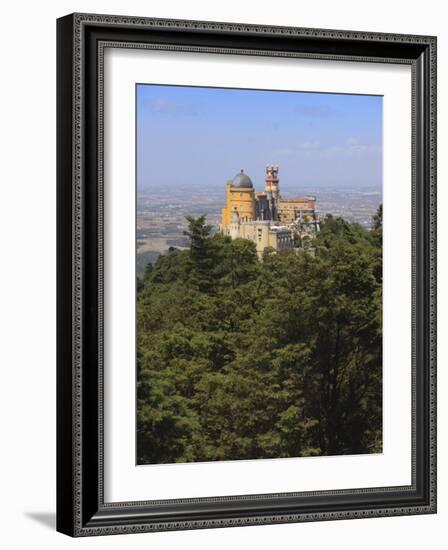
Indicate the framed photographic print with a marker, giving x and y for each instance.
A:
(246, 274)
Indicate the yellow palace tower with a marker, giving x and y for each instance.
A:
(240, 197)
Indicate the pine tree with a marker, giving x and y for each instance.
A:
(202, 254)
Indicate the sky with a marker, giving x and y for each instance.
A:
(193, 136)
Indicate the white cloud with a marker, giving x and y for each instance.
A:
(167, 106)
(313, 149)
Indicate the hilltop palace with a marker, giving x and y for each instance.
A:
(264, 217)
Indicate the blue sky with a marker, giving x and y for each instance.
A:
(190, 136)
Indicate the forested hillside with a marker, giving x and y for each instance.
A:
(242, 359)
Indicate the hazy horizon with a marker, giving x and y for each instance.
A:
(196, 137)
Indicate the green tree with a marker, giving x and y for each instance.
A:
(201, 254)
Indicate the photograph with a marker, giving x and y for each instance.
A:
(223, 328)
(246, 273)
(259, 274)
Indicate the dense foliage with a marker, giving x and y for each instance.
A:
(240, 358)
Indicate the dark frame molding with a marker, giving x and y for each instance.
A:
(81, 39)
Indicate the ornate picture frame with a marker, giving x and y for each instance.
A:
(81, 506)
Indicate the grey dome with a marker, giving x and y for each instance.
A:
(242, 180)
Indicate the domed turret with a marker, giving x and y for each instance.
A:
(242, 180)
